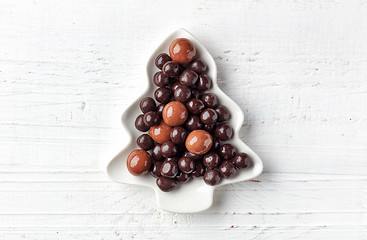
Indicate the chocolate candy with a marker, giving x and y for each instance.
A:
(199, 142)
(159, 109)
(210, 100)
(209, 127)
(138, 162)
(211, 160)
(175, 159)
(193, 123)
(178, 135)
(163, 95)
(241, 160)
(195, 106)
(195, 93)
(204, 82)
(151, 118)
(223, 113)
(174, 113)
(145, 142)
(211, 177)
(198, 66)
(195, 157)
(186, 165)
(182, 177)
(224, 132)
(182, 51)
(182, 93)
(157, 153)
(175, 85)
(188, 78)
(169, 169)
(199, 170)
(216, 145)
(139, 123)
(227, 151)
(161, 59)
(166, 184)
(227, 169)
(169, 149)
(171, 69)
(160, 133)
(209, 116)
(160, 80)
(156, 169)
(147, 104)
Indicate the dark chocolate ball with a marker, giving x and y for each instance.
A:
(223, 113)
(241, 160)
(215, 145)
(227, 169)
(224, 132)
(161, 59)
(175, 85)
(160, 80)
(193, 156)
(145, 142)
(209, 116)
(186, 165)
(140, 125)
(204, 82)
(188, 78)
(182, 93)
(169, 149)
(157, 153)
(210, 127)
(193, 123)
(211, 160)
(199, 170)
(183, 177)
(195, 106)
(163, 95)
(178, 135)
(169, 169)
(171, 69)
(195, 93)
(156, 169)
(198, 66)
(175, 159)
(166, 184)
(147, 104)
(212, 177)
(151, 118)
(227, 151)
(210, 100)
(159, 109)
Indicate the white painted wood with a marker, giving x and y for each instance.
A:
(297, 68)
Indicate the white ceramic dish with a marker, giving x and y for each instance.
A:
(195, 195)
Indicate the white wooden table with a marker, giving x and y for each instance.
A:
(298, 69)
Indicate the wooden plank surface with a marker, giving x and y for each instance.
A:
(298, 69)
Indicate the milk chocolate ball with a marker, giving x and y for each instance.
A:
(160, 133)
(138, 162)
(199, 142)
(175, 113)
(182, 51)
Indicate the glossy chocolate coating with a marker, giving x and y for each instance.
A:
(210, 100)
(210, 127)
(195, 157)
(199, 142)
(145, 142)
(204, 82)
(224, 132)
(161, 59)
(212, 177)
(216, 145)
(169, 149)
(156, 169)
(169, 169)
(223, 113)
(161, 80)
(227, 151)
(198, 66)
(163, 95)
(160, 133)
(195, 106)
(188, 78)
(160, 108)
(157, 153)
(140, 125)
(227, 169)
(138, 162)
(151, 118)
(241, 160)
(175, 113)
(182, 51)
(175, 85)
(199, 170)
(186, 165)
(166, 184)
(171, 69)
(193, 123)
(182, 93)
(178, 135)
(211, 160)
(209, 116)
(147, 104)
(183, 177)
(195, 93)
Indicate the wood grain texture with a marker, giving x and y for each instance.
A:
(297, 69)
